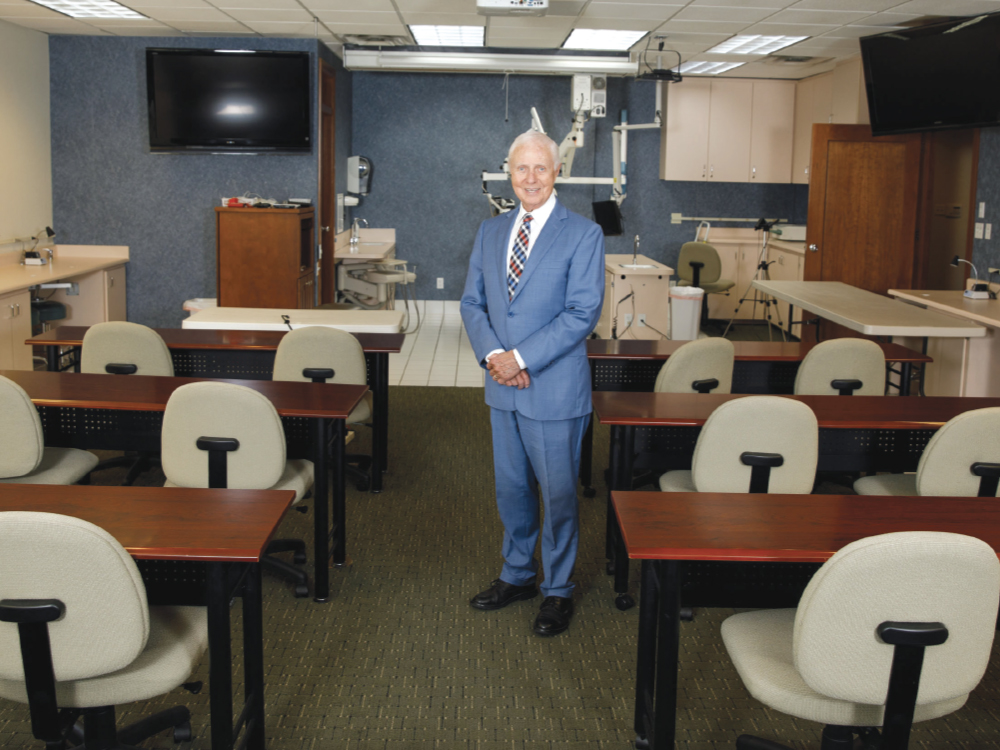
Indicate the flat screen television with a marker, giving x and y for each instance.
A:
(934, 77)
(228, 101)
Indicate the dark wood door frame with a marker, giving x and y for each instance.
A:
(327, 180)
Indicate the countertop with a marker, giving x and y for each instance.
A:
(68, 261)
(270, 319)
(952, 302)
(620, 264)
(374, 244)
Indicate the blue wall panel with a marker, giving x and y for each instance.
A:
(986, 253)
(109, 189)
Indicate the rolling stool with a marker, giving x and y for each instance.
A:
(42, 311)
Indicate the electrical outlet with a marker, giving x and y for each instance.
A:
(440, 282)
(642, 320)
(628, 319)
(978, 230)
(982, 210)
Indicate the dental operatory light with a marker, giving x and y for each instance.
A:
(602, 39)
(449, 36)
(90, 8)
(708, 68)
(754, 44)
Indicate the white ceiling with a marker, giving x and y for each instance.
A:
(691, 26)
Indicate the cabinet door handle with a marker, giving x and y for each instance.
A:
(753, 173)
(112, 278)
(813, 248)
(17, 305)
(711, 171)
(704, 168)
(781, 260)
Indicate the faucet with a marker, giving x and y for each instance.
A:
(356, 231)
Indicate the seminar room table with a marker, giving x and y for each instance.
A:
(657, 432)
(223, 533)
(665, 530)
(759, 367)
(115, 412)
(249, 355)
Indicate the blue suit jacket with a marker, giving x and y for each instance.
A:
(556, 306)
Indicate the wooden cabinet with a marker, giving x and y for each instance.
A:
(15, 329)
(728, 130)
(97, 298)
(849, 100)
(265, 257)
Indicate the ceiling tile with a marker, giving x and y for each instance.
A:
(690, 39)
(161, 31)
(363, 17)
(493, 31)
(305, 29)
(570, 8)
(887, 19)
(832, 17)
(855, 32)
(264, 4)
(521, 22)
(365, 28)
(28, 10)
(61, 25)
(370, 5)
(629, 11)
(436, 6)
(142, 5)
(722, 13)
(788, 29)
(744, 3)
(261, 15)
(118, 25)
(872, 6)
(514, 42)
(443, 19)
(951, 8)
(616, 24)
(717, 27)
(823, 46)
(202, 15)
(206, 27)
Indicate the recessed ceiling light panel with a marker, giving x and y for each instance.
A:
(706, 68)
(754, 44)
(90, 8)
(602, 39)
(449, 36)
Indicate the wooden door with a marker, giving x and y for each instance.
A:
(684, 143)
(327, 182)
(729, 131)
(863, 208)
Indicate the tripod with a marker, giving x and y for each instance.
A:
(759, 298)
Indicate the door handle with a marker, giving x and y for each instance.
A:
(813, 248)
(325, 229)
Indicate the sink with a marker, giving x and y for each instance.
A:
(635, 265)
(372, 243)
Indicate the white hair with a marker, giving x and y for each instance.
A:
(535, 138)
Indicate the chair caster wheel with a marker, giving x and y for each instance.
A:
(182, 733)
(624, 602)
(641, 743)
(299, 558)
(301, 590)
(364, 485)
(687, 614)
(589, 492)
(609, 567)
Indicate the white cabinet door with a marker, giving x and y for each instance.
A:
(15, 329)
(114, 294)
(684, 135)
(771, 131)
(729, 130)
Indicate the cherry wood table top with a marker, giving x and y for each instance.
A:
(785, 528)
(151, 392)
(765, 351)
(837, 412)
(165, 523)
(200, 338)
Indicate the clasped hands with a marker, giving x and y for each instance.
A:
(505, 370)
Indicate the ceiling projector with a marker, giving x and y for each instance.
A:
(512, 7)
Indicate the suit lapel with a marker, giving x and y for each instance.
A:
(500, 249)
(550, 232)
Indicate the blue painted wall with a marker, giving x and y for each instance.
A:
(109, 189)
(431, 135)
(986, 253)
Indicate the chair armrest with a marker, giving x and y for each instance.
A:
(912, 633)
(318, 374)
(705, 386)
(760, 473)
(989, 478)
(217, 448)
(846, 387)
(31, 610)
(120, 369)
(696, 267)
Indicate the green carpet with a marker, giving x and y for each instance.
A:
(397, 659)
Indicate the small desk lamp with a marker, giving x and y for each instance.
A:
(979, 290)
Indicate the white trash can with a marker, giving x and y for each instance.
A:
(685, 312)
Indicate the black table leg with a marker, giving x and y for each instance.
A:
(380, 420)
(321, 508)
(905, 373)
(339, 496)
(621, 480)
(253, 658)
(587, 459)
(645, 672)
(668, 580)
(220, 676)
(613, 471)
(52, 358)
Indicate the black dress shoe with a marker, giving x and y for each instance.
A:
(554, 616)
(500, 594)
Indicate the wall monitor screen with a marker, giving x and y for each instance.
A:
(222, 101)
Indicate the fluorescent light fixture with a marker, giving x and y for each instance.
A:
(487, 62)
(707, 68)
(602, 39)
(90, 8)
(449, 36)
(754, 44)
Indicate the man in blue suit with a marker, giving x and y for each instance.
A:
(532, 296)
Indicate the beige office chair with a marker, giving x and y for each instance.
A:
(702, 366)
(753, 444)
(850, 655)
(120, 348)
(76, 632)
(24, 459)
(699, 265)
(329, 355)
(843, 367)
(962, 459)
(214, 424)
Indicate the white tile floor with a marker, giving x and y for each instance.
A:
(439, 353)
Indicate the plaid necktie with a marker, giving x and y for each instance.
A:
(519, 256)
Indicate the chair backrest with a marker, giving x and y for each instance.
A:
(916, 576)
(49, 556)
(969, 438)
(21, 439)
(118, 342)
(699, 360)
(842, 359)
(226, 410)
(319, 346)
(700, 252)
(758, 424)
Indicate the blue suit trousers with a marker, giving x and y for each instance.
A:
(531, 455)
